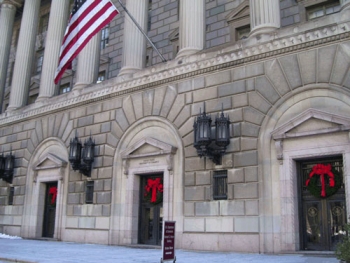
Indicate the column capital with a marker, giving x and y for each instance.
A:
(15, 3)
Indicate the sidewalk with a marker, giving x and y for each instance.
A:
(21, 250)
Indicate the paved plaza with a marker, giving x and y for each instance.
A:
(21, 250)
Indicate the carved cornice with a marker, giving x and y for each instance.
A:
(185, 68)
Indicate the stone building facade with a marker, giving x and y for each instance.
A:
(278, 69)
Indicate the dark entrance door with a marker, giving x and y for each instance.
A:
(322, 218)
(50, 210)
(151, 210)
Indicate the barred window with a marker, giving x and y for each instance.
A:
(89, 197)
(220, 185)
(11, 195)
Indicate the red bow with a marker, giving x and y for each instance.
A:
(322, 170)
(154, 185)
(53, 192)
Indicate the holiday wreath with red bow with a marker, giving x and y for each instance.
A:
(53, 194)
(323, 180)
(154, 190)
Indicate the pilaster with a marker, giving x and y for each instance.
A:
(191, 27)
(134, 49)
(57, 24)
(24, 55)
(265, 16)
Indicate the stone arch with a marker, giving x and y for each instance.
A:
(159, 136)
(277, 166)
(47, 164)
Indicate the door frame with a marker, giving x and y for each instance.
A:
(289, 192)
(47, 168)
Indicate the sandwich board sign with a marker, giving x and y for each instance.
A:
(168, 244)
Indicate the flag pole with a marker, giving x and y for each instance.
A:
(139, 27)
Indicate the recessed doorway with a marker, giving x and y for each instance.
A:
(323, 213)
(151, 210)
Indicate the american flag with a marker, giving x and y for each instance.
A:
(88, 17)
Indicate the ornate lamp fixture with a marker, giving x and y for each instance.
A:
(82, 158)
(208, 144)
(6, 167)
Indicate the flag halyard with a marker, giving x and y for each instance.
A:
(88, 17)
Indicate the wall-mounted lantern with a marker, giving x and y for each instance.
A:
(210, 141)
(81, 158)
(6, 167)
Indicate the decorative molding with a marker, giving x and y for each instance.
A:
(161, 149)
(186, 67)
(56, 162)
(283, 132)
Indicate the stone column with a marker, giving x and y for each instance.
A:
(134, 48)
(88, 63)
(59, 12)
(191, 31)
(24, 55)
(264, 16)
(7, 17)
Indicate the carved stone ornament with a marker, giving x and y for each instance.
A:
(147, 148)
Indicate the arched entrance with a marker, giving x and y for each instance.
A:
(44, 207)
(308, 127)
(150, 149)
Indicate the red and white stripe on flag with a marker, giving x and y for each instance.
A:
(87, 18)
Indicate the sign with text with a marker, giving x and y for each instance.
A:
(169, 241)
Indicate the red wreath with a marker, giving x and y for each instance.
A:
(53, 192)
(322, 171)
(154, 188)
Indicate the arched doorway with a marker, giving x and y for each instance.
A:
(151, 148)
(44, 208)
(303, 129)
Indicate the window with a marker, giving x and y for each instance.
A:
(101, 77)
(89, 194)
(323, 9)
(220, 185)
(104, 37)
(239, 21)
(64, 88)
(242, 32)
(39, 62)
(11, 195)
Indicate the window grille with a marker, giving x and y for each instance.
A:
(220, 185)
(11, 195)
(89, 197)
